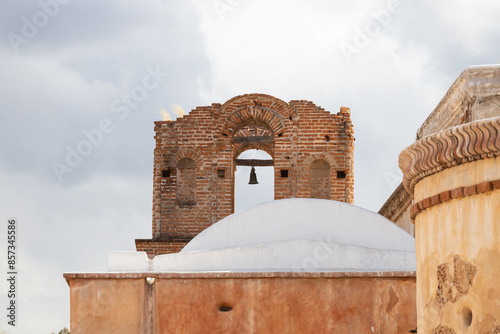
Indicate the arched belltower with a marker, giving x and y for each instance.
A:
(196, 157)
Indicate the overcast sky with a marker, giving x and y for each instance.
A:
(75, 69)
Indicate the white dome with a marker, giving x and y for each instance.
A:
(288, 235)
(304, 219)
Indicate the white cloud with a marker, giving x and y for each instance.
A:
(391, 84)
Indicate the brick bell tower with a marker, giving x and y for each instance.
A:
(195, 160)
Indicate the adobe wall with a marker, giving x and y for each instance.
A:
(106, 305)
(194, 164)
(459, 259)
(370, 302)
(453, 174)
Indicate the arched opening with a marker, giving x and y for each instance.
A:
(320, 179)
(186, 182)
(246, 195)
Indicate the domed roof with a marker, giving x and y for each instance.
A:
(296, 235)
(304, 219)
(288, 235)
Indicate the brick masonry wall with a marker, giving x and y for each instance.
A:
(301, 134)
(154, 247)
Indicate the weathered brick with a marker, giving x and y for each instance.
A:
(435, 199)
(470, 190)
(445, 196)
(426, 203)
(484, 187)
(414, 210)
(457, 192)
(194, 196)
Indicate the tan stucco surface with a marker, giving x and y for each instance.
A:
(458, 252)
(106, 306)
(248, 303)
(468, 174)
(287, 306)
(404, 221)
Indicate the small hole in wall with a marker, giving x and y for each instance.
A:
(340, 175)
(327, 138)
(280, 135)
(225, 308)
(165, 173)
(284, 173)
(221, 172)
(291, 117)
(466, 316)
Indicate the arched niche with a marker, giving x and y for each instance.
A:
(186, 182)
(320, 179)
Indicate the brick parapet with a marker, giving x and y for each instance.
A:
(160, 246)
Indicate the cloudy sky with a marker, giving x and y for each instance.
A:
(73, 70)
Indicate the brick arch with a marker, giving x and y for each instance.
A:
(281, 107)
(186, 163)
(186, 182)
(240, 148)
(258, 115)
(182, 154)
(328, 158)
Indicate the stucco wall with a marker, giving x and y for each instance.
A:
(244, 303)
(458, 254)
(454, 176)
(404, 221)
(107, 305)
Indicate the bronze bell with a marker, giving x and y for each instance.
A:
(253, 177)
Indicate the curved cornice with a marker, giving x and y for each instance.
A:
(397, 204)
(454, 146)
